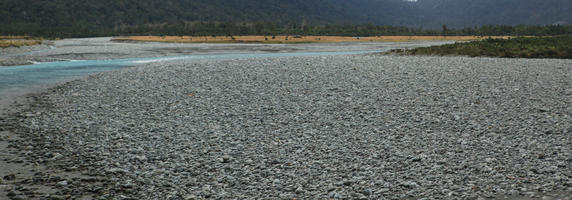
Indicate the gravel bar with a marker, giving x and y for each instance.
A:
(339, 127)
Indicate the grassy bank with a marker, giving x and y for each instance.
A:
(529, 47)
(288, 39)
(18, 41)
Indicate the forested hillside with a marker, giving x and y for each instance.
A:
(104, 17)
(89, 15)
(466, 13)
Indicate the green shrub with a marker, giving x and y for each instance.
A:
(521, 47)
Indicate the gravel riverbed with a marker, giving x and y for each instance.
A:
(355, 126)
(103, 48)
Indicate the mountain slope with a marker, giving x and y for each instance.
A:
(25, 16)
(466, 13)
(116, 12)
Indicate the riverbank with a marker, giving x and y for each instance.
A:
(27, 177)
(19, 41)
(106, 49)
(313, 127)
(24, 177)
(536, 47)
(284, 39)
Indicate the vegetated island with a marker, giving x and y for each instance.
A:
(520, 47)
(290, 39)
(18, 41)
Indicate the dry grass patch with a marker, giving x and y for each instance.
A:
(18, 43)
(14, 37)
(292, 39)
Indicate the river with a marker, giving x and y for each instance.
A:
(65, 60)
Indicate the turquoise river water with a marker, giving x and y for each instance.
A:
(25, 76)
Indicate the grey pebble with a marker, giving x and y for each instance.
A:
(313, 127)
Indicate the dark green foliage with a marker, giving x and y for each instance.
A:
(101, 17)
(83, 18)
(521, 47)
(262, 28)
(198, 28)
(520, 30)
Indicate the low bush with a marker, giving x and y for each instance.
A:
(521, 47)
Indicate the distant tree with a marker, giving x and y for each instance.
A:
(444, 31)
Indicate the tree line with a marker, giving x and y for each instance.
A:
(201, 28)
